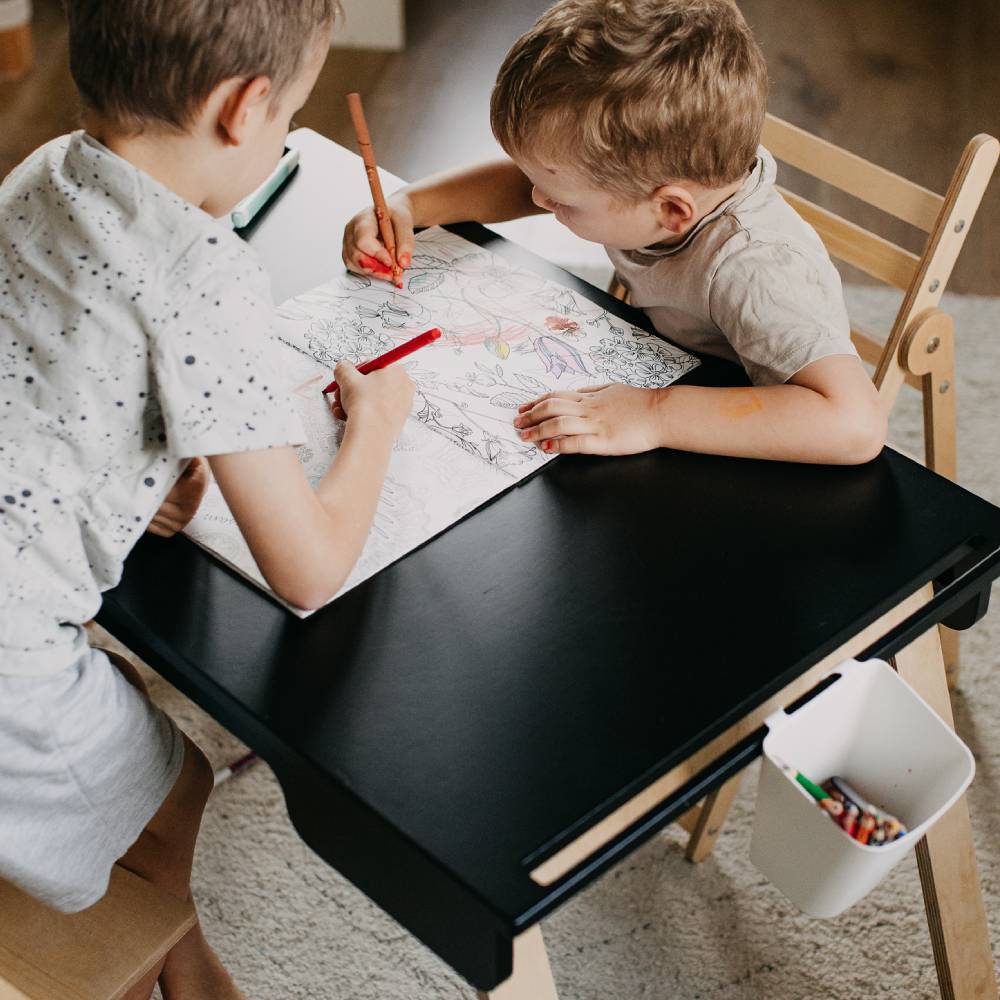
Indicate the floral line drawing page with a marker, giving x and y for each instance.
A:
(508, 335)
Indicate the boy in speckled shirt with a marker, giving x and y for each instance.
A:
(135, 336)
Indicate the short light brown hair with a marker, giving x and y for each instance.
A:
(155, 62)
(636, 93)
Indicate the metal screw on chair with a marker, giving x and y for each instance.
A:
(944, 386)
(960, 225)
(934, 285)
(933, 344)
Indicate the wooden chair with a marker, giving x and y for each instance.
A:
(919, 348)
(97, 954)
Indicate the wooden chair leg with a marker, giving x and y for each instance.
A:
(711, 815)
(532, 978)
(946, 857)
(941, 452)
(929, 354)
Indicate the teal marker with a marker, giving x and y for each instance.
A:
(243, 213)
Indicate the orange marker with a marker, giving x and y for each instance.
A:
(383, 360)
(371, 169)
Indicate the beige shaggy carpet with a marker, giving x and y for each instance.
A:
(656, 927)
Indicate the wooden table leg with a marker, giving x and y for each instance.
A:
(946, 857)
(532, 978)
(711, 816)
(951, 649)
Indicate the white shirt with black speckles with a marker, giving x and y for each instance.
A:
(135, 334)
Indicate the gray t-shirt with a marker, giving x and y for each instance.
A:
(751, 283)
(135, 333)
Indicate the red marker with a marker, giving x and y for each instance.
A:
(396, 354)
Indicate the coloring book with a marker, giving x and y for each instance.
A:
(508, 335)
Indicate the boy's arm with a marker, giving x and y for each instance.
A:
(829, 412)
(488, 192)
(306, 541)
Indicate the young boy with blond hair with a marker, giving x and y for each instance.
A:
(136, 333)
(637, 124)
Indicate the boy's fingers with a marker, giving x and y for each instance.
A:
(176, 517)
(371, 246)
(554, 406)
(379, 252)
(336, 407)
(375, 267)
(557, 394)
(556, 426)
(578, 444)
(346, 374)
(352, 262)
(404, 248)
(196, 467)
(562, 394)
(162, 528)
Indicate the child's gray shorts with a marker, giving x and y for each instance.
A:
(85, 762)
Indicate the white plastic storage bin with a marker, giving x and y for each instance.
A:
(870, 728)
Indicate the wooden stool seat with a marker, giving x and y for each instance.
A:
(96, 954)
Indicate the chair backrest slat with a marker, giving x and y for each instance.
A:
(959, 206)
(848, 172)
(851, 243)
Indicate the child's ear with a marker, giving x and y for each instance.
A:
(241, 102)
(675, 207)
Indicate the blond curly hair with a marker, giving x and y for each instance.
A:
(635, 93)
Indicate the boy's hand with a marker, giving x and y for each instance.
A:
(181, 503)
(384, 396)
(601, 420)
(364, 251)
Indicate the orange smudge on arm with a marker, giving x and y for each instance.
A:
(736, 404)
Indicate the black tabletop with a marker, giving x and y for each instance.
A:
(446, 725)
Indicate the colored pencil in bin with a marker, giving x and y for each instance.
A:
(810, 786)
(849, 820)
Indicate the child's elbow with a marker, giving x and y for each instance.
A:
(308, 600)
(310, 591)
(863, 435)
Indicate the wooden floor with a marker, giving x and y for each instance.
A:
(902, 82)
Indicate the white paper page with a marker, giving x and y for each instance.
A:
(508, 335)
